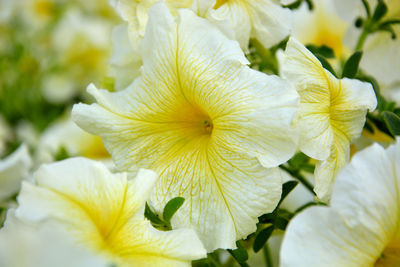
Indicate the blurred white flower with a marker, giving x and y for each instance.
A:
(361, 227)
(82, 47)
(24, 244)
(65, 134)
(205, 121)
(126, 60)
(331, 114)
(321, 26)
(103, 212)
(14, 169)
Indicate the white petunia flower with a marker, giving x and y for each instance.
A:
(205, 121)
(13, 170)
(264, 20)
(65, 134)
(361, 228)
(321, 26)
(104, 212)
(331, 114)
(82, 46)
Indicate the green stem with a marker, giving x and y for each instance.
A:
(299, 177)
(362, 38)
(211, 259)
(267, 256)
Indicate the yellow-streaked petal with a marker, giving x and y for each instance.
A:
(204, 121)
(43, 244)
(331, 114)
(104, 212)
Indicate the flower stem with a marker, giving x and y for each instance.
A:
(299, 177)
(267, 256)
(362, 38)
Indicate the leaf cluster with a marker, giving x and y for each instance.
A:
(164, 222)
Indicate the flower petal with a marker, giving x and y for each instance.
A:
(320, 237)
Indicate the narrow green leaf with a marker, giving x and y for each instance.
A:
(262, 238)
(281, 223)
(367, 8)
(172, 206)
(294, 5)
(323, 50)
(326, 64)
(151, 216)
(392, 121)
(351, 66)
(286, 189)
(380, 11)
(310, 4)
(240, 254)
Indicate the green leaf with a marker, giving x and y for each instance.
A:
(392, 121)
(351, 66)
(262, 238)
(367, 8)
(61, 154)
(380, 10)
(322, 50)
(172, 206)
(240, 254)
(326, 64)
(286, 189)
(151, 216)
(294, 5)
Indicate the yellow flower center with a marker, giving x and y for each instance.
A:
(219, 3)
(390, 256)
(193, 121)
(330, 38)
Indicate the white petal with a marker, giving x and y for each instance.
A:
(312, 82)
(25, 244)
(126, 61)
(237, 14)
(366, 191)
(13, 170)
(320, 237)
(271, 23)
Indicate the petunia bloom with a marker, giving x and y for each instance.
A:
(331, 114)
(205, 122)
(104, 212)
(361, 228)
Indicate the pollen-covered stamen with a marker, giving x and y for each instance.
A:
(390, 256)
(208, 126)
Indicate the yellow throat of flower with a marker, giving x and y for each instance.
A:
(193, 121)
(219, 3)
(390, 256)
